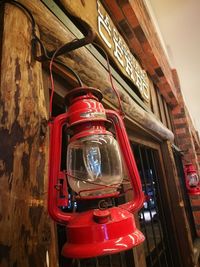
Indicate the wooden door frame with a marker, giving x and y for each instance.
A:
(176, 202)
(180, 235)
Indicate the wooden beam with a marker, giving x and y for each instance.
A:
(92, 73)
(26, 229)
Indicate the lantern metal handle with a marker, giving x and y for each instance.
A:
(54, 170)
(129, 159)
(55, 173)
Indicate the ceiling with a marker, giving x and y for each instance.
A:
(178, 26)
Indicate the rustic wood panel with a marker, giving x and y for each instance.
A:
(178, 210)
(27, 233)
(168, 209)
(161, 108)
(154, 101)
(167, 110)
(93, 13)
(54, 34)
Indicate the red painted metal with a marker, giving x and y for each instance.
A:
(89, 238)
(129, 159)
(55, 172)
(84, 107)
(96, 232)
(192, 180)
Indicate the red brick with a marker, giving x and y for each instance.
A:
(195, 202)
(132, 19)
(114, 10)
(180, 131)
(180, 121)
(153, 61)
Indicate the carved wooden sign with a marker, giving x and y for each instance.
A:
(93, 13)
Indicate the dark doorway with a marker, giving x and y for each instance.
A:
(152, 216)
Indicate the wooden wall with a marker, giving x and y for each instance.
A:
(28, 236)
(26, 229)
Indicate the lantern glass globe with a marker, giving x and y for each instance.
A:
(93, 161)
(193, 180)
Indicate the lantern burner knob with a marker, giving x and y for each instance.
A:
(101, 216)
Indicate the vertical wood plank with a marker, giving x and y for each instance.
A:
(139, 253)
(54, 33)
(154, 100)
(178, 210)
(167, 115)
(169, 222)
(27, 235)
(161, 108)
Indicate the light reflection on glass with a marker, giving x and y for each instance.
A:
(92, 162)
(94, 159)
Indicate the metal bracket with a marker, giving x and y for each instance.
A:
(73, 45)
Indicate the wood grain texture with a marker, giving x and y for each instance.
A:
(94, 14)
(178, 208)
(92, 73)
(26, 230)
(154, 101)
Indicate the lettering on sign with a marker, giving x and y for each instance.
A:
(121, 52)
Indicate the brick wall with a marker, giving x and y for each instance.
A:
(187, 140)
(133, 22)
(185, 134)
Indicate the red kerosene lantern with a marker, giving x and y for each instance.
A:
(192, 180)
(94, 171)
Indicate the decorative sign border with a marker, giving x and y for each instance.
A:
(117, 46)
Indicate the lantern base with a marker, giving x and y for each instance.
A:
(101, 232)
(194, 191)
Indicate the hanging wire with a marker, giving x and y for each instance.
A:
(36, 38)
(100, 186)
(52, 60)
(52, 80)
(23, 8)
(122, 113)
(93, 183)
(70, 70)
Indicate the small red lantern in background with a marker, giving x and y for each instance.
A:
(94, 172)
(192, 180)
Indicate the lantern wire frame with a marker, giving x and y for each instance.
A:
(101, 186)
(118, 186)
(120, 109)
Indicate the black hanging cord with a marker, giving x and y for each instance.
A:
(22, 7)
(64, 48)
(121, 110)
(70, 70)
(36, 39)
